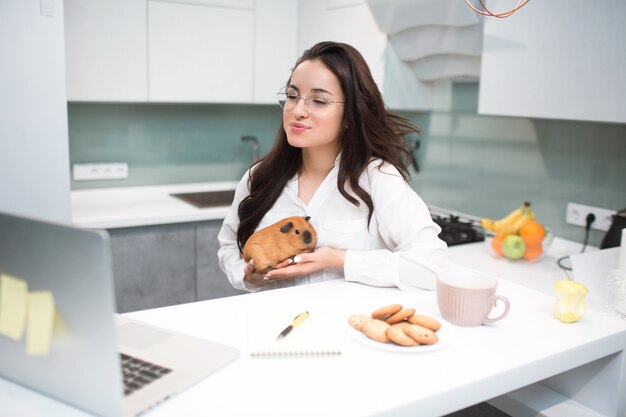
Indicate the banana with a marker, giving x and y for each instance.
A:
(486, 224)
(505, 222)
(514, 227)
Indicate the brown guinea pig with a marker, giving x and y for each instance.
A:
(279, 241)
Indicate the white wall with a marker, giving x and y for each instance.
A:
(34, 154)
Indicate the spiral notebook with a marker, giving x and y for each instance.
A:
(318, 335)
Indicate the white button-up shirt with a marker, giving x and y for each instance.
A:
(400, 247)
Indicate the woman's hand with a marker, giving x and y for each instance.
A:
(306, 263)
(256, 279)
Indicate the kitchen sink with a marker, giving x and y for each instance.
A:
(207, 199)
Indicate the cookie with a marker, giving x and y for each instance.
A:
(401, 315)
(376, 330)
(397, 336)
(386, 311)
(425, 321)
(401, 324)
(357, 320)
(420, 334)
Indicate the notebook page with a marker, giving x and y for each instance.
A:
(317, 335)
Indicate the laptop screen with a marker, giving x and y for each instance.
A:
(81, 365)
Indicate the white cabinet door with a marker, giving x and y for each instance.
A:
(351, 23)
(561, 59)
(200, 53)
(105, 47)
(276, 47)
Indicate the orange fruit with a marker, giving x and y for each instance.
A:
(532, 240)
(533, 251)
(496, 243)
(532, 229)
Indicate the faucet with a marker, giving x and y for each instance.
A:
(414, 144)
(255, 146)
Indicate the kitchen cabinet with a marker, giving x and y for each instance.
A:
(168, 51)
(200, 53)
(106, 50)
(353, 23)
(562, 60)
(211, 282)
(153, 266)
(221, 54)
(275, 47)
(156, 266)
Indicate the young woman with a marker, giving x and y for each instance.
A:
(340, 158)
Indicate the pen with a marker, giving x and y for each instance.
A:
(296, 321)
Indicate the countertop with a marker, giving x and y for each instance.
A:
(539, 275)
(110, 208)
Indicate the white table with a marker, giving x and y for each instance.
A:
(484, 362)
(584, 361)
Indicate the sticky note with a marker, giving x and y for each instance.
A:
(13, 299)
(39, 322)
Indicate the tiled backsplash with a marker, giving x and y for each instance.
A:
(169, 144)
(476, 164)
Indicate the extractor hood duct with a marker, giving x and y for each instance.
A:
(439, 39)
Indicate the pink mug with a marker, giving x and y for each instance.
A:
(465, 298)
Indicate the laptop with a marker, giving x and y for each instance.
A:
(83, 366)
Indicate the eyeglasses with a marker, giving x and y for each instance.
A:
(316, 103)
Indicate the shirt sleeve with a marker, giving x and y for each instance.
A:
(230, 259)
(414, 254)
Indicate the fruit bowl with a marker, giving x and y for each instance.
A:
(516, 247)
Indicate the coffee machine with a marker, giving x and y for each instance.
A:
(614, 234)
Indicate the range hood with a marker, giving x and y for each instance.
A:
(439, 39)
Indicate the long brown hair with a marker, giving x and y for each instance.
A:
(372, 132)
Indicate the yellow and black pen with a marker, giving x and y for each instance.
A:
(294, 323)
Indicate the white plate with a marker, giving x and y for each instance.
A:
(446, 335)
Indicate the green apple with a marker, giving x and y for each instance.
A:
(513, 247)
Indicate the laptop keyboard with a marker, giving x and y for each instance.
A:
(139, 373)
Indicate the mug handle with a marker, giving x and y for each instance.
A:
(504, 313)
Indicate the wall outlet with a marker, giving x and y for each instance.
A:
(577, 215)
(100, 171)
